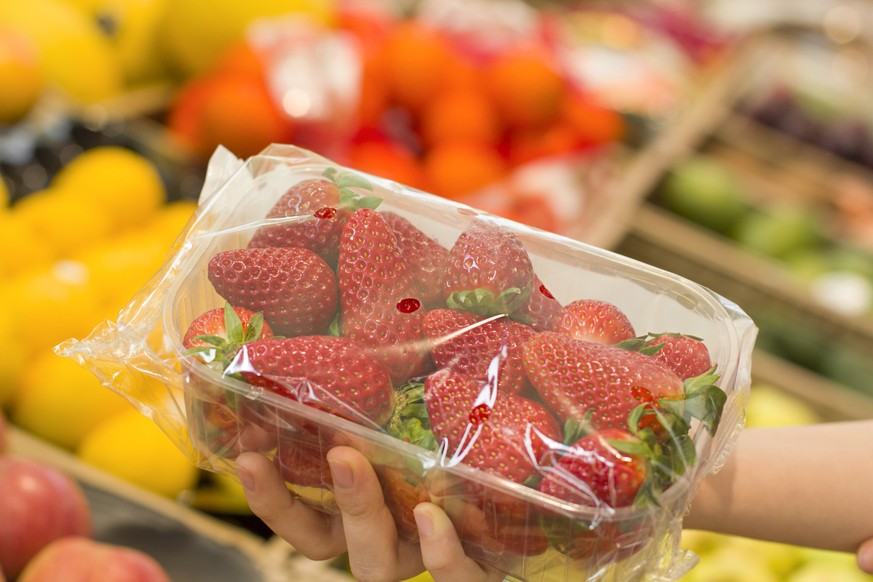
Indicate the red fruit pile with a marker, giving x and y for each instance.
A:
(459, 349)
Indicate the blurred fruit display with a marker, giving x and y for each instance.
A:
(779, 195)
(109, 108)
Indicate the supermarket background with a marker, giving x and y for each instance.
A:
(729, 142)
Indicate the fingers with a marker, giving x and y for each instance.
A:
(375, 553)
(441, 549)
(316, 535)
(865, 556)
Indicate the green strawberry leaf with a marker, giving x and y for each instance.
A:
(483, 302)
(371, 202)
(255, 329)
(409, 420)
(349, 180)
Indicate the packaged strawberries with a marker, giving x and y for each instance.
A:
(559, 401)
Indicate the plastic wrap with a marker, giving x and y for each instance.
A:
(437, 340)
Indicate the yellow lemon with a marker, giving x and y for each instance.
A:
(53, 303)
(21, 248)
(74, 55)
(132, 447)
(134, 30)
(119, 268)
(170, 222)
(13, 360)
(5, 195)
(66, 222)
(195, 36)
(127, 184)
(20, 75)
(60, 401)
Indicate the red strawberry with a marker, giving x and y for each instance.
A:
(578, 378)
(216, 416)
(686, 355)
(593, 471)
(218, 334)
(326, 204)
(595, 321)
(477, 346)
(542, 307)
(380, 308)
(294, 287)
(488, 272)
(426, 257)
(402, 490)
(610, 468)
(329, 373)
(501, 433)
(303, 462)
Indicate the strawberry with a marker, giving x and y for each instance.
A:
(217, 334)
(686, 355)
(610, 469)
(498, 433)
(595, 321)
(488, 272)
(478, 346)
(599, 469)
(216, 415)
(303, 462)
(603, 384)
(296, 290)
(330, 373)
(426, 257)
(402, 489)
(542, 307)
(380, 308)
(326, 204)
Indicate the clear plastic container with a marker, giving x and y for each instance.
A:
(510, 526)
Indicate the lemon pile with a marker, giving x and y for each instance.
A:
(72, 255)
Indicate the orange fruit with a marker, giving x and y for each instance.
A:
(526, 87)
(415, 58)
(457, 168)
(555, 140)
(20, 75)
(592, 122)
(460, 113)
(388, 160)
(238, 112)
(373, 98)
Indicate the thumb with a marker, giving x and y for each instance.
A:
(865, 556)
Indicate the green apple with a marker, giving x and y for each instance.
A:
(780, 231)
(704, 191)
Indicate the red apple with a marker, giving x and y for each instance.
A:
(38, 504)
(81, 559)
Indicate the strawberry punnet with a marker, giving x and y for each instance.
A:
(603, 384)
(478, 346)
(503, 434)
(326, 372)
(296, 290)
(595, 321)
(320, 208)
(426, 257)
(380, 308)
(488, 272)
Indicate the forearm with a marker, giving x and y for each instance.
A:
(810, 485)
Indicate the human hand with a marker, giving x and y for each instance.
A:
(865, 556)
(364, 527)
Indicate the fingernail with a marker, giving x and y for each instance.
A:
(246, 479)
(423, 521)
(342, 474)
